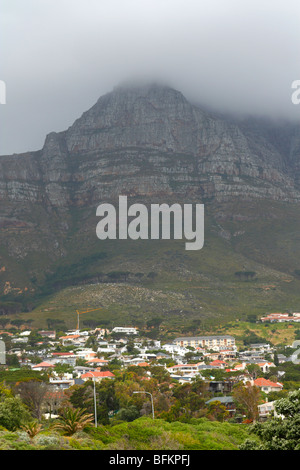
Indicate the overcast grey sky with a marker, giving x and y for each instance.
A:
(59, 56)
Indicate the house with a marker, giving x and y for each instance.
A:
(48, 334)
(281, 317)
(251, 355)
(97, 362)
(125, 330)
(101, 331)
(267, 386)
(153, 344)
(43, 366)
(219, 364)
(70, 339)
(267, 409)
(97, 376)
(240, 366)
(185, 369)
(228, 402)
(102, 343)
(161, 355)
(107, 349)
(85, 354)
(174, 349)
(64, 358)
(143, 364)
(260, 347)
(20, 340)
(62, 383)
(182, 379)
(212, 356)
(148, 356)
(228, 354)
(224, 386)
(281, 358)
(265, 366)
(80, 370)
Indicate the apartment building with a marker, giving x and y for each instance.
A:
(206, 342)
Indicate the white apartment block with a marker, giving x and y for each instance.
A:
(206, 342)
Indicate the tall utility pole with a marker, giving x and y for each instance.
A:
(95, 404)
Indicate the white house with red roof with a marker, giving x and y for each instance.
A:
(73, 339)
(267, 386)
(97, 375)
(265, 366)
(219, 364)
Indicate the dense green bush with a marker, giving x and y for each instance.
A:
(13, 413)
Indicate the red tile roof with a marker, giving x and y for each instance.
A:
(261, 382)
(98, 374)
(43, 364)
(63, 354)
(70, 337)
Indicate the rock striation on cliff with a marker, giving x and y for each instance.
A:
(151, 140)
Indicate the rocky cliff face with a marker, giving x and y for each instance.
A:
(152, 140)
(148, 142)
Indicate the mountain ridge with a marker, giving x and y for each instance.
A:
(151, 144)
(187, 142)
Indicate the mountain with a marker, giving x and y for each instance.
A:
(149, 140)
(153, 145)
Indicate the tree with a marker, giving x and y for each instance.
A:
(128, 414)
(32, 428)
(152, 275)
(62, 369)
(254, 370)
(72, 421)
(12, 360)
(53, 401)
(154, 322)
(252, 318)
(217, 411)
(82, 396)
(5, 392)
(130, 347)
(281, 432)
(275, 359)
(160, 373)
(33, 394)
(247, 398)
(13, 413)
(55, 323)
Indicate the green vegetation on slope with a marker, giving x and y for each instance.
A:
(141, 434)
(137, 280)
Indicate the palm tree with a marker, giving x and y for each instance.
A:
(73, 420)
(32, 428)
